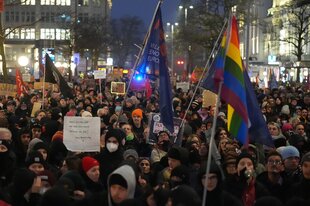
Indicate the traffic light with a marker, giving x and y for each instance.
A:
(180, 62)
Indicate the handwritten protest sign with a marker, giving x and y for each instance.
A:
(156, 126)
(209, 98)
(118, 87)
(82, 134)
(36, 107)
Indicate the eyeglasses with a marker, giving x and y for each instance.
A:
(274, 162)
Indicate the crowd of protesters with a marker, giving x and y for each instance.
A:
(38, 169)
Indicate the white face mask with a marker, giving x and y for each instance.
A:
(112, 147)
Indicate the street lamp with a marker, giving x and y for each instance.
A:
(185, 12)
(172, 46)
(23, 61)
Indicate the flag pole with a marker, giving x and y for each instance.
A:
(214, 119)
(139, 56)
(43, 87)
(204, 70)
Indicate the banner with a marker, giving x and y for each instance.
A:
(183, 85)
(82, 134)
(156, 126)
(8, 89)
(118, 88)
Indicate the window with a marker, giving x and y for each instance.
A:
(16, 16)
(62, 34)
(48, 2)
(83, 2)
(63, 2)
(47, 34)
(7, 16)
(12, 34)
(27, 33)
(28, 2)
(23, 16)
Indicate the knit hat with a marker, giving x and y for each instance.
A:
(130, 153)
(40, 145)
(117, 133)
(289, 151)
(137, 112)
(178, 153)
(47, 176)
(195, 102)
(305, 158)
(244, 154)
(117, 179)
(36, 125)
(58, 136)
(34, 157)
(285, 110)
(286, 127)
(88, 163)
(56, 196)
(86, 114)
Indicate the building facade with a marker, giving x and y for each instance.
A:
(36, 27)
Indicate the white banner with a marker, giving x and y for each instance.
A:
(100, 74)
(82, 134)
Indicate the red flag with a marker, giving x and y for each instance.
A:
(20, 86)
(148, 89)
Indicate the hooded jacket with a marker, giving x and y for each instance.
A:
(128, 174)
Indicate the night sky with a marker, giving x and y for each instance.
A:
(145, 9)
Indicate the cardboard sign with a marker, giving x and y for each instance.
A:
(209, 98)
(39, 85)
(100, 74)
(36, 107)
(26, 77)
(7, 89)
(156, 126)
(82, 134)
(183, 85)
(118, 87)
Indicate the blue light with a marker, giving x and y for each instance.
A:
(139, 77)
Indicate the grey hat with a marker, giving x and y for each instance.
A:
(130, 153)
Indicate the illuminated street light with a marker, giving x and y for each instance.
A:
(23, 61)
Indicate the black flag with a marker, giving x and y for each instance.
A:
(52, 75)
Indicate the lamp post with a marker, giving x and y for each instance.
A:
(187, 46)
(172, 45)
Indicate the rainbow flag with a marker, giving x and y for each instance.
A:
(234, 90)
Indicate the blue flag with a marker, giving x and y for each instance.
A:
(154, 62)
(272, 80)
(258, 131)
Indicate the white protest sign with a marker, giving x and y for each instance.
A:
(82, 134)
(100, 74)
(183, 85)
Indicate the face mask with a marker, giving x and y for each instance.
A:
(112, 147)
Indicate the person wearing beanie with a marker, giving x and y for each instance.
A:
(42, 148)
(275, 131)
(56, 196)
(176, 156)
(121, 185)
(216, 195)
(36, 130)
(86, 114)
(162, 146)
(7, 157)
(112, 154)
(185, 195)
(291, 158)
(137, 124)
(244, 185)
(35, 162)
(131, 154)
(91, 173)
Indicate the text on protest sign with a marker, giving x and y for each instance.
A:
(82, 134)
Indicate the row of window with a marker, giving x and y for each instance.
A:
(29, 16)
(29, 33)
(59, 2)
